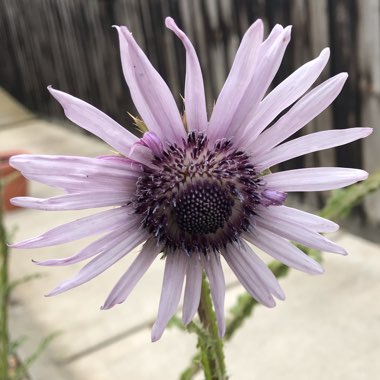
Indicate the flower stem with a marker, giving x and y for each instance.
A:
(4, 293)
(212, 354)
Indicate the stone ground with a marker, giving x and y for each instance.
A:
(328, 328)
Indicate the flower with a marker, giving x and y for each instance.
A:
(198, 191)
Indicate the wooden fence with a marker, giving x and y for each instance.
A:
(71, 45)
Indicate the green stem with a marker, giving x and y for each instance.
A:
(212, 355)
(4, 293)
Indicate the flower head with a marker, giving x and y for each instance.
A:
(198, 191)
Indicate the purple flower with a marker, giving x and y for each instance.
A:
(199, 191)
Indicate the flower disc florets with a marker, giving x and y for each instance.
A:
(198, 198)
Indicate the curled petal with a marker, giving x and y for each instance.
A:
(153, 142)
(273, 197)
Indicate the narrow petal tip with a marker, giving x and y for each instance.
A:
(221, 330)
(52, 293)
(186, 320)
(108, 304)
(270, 303)
(287, 34)
(16, 245)
(361, 175)
(325, 53)
(366, 131)
(157, 332)
(169, 22)
(317, 270)
(279, 294)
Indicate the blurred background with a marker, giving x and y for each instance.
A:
(71, 45)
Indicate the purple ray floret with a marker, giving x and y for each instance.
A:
(194, 189)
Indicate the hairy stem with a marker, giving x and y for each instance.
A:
(212, 354)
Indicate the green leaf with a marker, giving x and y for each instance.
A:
(23, 369)
(341, 202)
(27, 278)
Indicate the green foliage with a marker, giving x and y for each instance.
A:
(23, 280)
(7, 347)
(342, 201)
(22, 370)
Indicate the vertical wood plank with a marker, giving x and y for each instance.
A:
(369, 80)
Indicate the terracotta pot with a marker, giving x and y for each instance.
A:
(17, 187)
